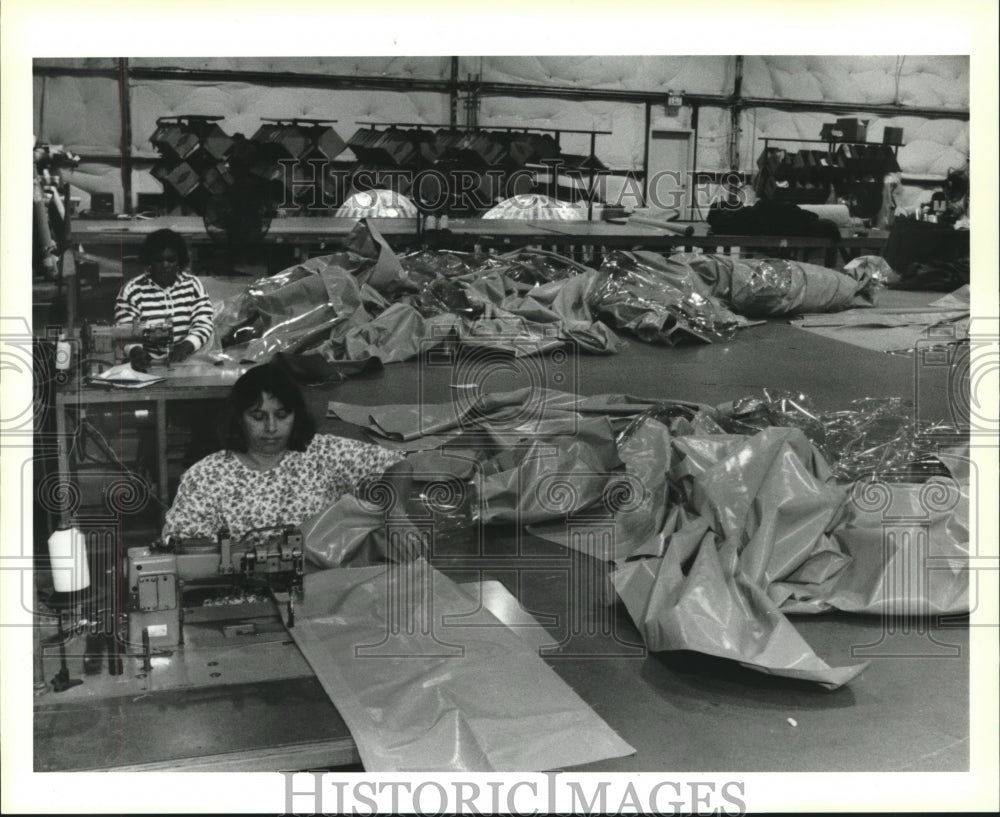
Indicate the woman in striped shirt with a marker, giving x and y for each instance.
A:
(166, 294)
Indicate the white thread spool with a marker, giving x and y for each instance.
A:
(68, 555)
(64, 354)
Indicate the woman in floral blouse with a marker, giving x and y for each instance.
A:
(274, 469)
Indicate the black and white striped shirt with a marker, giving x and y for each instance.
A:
(185, 305)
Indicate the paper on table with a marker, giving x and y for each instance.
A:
(124, 376)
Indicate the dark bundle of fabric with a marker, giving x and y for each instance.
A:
(767, 217)
(928, 255)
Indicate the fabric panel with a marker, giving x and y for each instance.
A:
(421, 692)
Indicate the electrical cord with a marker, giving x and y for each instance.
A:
(109, 452)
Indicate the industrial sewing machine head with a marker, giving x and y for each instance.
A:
(228, 586)
(103, 342)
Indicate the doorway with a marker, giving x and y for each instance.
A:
(668, 177)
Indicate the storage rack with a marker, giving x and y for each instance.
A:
(853, 170)
(476, 148)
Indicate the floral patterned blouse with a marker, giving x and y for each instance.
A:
(221, 492)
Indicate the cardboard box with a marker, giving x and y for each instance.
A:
(854, 130)
(892, 136)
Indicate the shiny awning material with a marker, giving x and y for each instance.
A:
(765, 287)
(364, 301)
(301, 306)
(660, 300)
(377, 204)
(755, 516)
(711, 538)
(428, 681)
(536, 207)
(496, 417)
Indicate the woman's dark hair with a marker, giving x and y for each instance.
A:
(161, 240)
(247, 393)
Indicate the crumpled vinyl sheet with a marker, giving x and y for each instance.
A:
(707, 608)
(364, 302)
(421, 692)
(296, 308)
(717, 536)
(908, 550)
(563, 473)
(759, 512)
(660, 300)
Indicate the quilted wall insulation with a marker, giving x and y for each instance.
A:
(622, 149)
(79, 112)
(695, 74)
(83, 112)
(399, 67)
(244, 105)
(925, 81)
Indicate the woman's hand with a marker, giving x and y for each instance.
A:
(139, 358)
(181, 351)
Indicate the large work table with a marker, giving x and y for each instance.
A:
(310, 235)
(680, 711)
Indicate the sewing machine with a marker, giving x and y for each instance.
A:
(104, 342)
(224, 583)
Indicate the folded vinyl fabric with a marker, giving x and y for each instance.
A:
(297, 307)
(350, 532)
(401, 422)
(563, 304)
(556, 474)
(398, 333)
(547, 316)
(635, 497)
(909, 551)
(364, 302)
(385, 274)
(481, 305)
(961, 298)
(716, 536)
(766, 287)
(695, 600)
(420, 692)
(768, 495)
(532, 267)
(424, 506)
(756, 531)
(401, 332)
(512, 335)
(523, 407)
(429, 425)
(760, 512)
